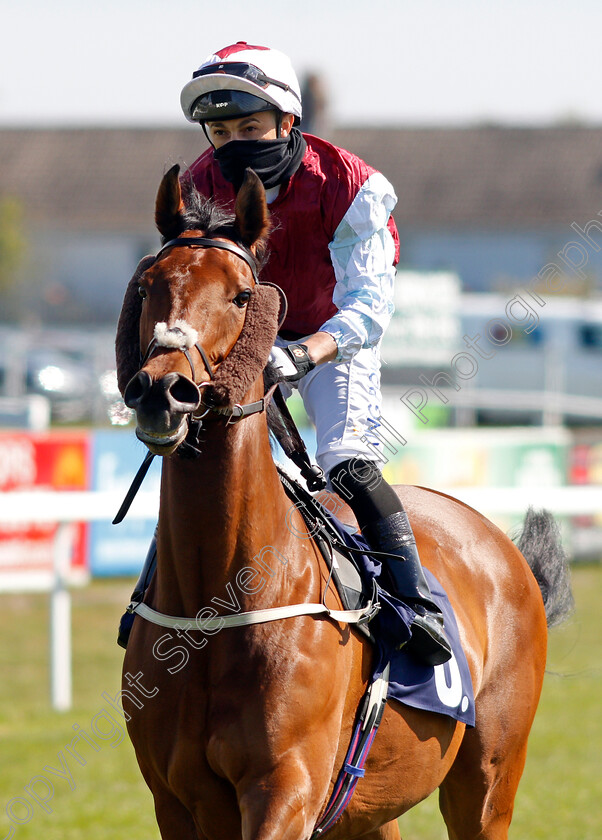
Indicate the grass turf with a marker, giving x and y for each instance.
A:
(100, 794)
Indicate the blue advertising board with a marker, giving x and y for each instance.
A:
(115, 458)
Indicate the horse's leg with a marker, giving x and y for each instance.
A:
(390, 831)
(477, 796)
(274, 806)
(174, 820)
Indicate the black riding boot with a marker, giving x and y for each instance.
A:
(394, 535)
(142, 584)
(385, 525)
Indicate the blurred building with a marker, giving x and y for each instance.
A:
(505, 211)
(494, 205)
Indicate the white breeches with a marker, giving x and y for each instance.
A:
(343, 401)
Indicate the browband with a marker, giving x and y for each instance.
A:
(204, 242)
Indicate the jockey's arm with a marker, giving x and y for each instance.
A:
(363, 254)
(364, 267)
(321, 347)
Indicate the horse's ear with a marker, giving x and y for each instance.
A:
(252, 223)
(169, 206)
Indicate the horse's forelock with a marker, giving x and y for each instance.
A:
(205, 214)
(211, 217)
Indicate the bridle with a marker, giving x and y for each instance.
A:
(237, 411)
(190, 446)
(205, 242)
(201, 242)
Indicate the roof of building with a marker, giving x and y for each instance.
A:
(487, 176)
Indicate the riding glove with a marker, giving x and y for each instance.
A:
(292, 362)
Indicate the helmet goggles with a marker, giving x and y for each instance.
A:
(243, 71)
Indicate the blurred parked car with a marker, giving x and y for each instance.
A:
(70, 385)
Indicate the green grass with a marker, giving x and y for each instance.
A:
(559, 796)
(561, 789)
(109, 799)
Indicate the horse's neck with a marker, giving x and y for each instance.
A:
(221, 515)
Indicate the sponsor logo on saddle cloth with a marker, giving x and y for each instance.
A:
(445, 689)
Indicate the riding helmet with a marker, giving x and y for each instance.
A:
(242, 79)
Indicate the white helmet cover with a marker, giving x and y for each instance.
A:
(270, 77)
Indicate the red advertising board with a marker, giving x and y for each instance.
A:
(53, 461)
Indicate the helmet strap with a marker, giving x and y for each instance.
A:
(204, 127)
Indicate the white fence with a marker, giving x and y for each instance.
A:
(64, 509)
(67, 508)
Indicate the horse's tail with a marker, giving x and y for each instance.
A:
(541, 545)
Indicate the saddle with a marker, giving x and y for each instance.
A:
(355, 568)
(354, 590)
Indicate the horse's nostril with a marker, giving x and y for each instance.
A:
(173, 393)
(182, 392)
(137, 388)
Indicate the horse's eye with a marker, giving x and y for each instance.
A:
(242, 299)
(142, 292)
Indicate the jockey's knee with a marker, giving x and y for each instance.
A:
(360, 483)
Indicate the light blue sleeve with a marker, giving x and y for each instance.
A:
(363, 255)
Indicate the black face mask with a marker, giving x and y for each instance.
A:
(273, 160)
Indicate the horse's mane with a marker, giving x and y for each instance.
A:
(201, 213)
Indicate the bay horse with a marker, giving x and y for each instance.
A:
(241, 732)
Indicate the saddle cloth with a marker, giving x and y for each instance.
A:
(445, 689)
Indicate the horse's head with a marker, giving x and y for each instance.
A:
(188, 306)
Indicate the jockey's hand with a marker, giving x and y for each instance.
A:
(292, 362)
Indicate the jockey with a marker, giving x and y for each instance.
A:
(333, 250)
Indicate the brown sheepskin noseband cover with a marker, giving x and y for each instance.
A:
(243, 365)
(127, 340)
(247, 359)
